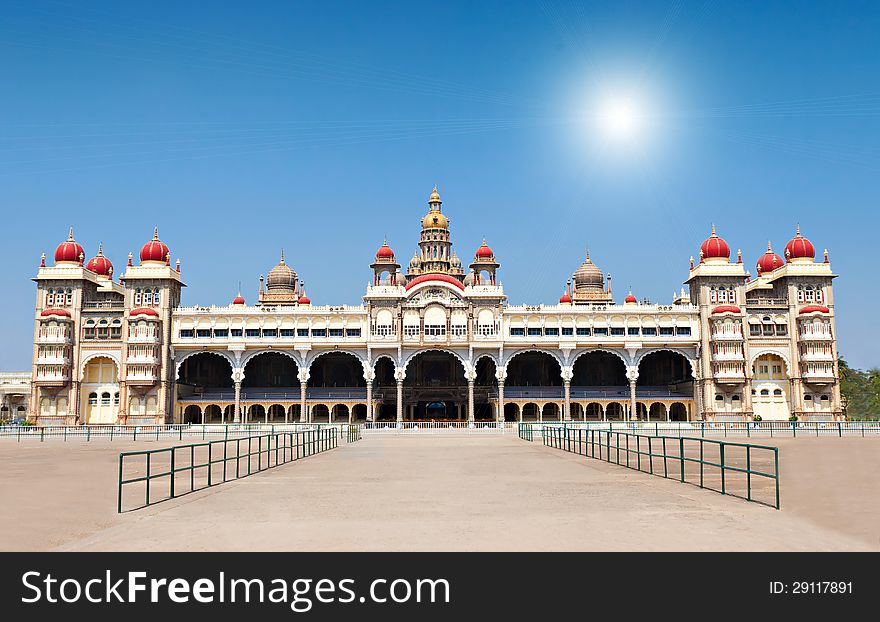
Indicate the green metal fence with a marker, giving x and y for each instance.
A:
(708, 463)
(354, 433)
(177, 431)
(725, 429)
(192, 467)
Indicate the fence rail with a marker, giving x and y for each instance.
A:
(199, 462)
(773, 429)
(157, 432)
(682, 458)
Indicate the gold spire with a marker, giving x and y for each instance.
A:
(70, 235)
(282, 257)
(156, 233)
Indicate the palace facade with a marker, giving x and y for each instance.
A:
(435, 339)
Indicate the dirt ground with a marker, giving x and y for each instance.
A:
(440, 493)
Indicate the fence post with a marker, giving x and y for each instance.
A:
(776, 461)
(681, 454)
(172, 471)
(723, 488)
(42, 432)
(839, 429)
(119, 488)
(749, 472)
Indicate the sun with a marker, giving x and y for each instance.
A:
(619, 119)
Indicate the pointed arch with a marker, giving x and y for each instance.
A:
(223, 355)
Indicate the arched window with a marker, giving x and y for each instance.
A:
(105, 399)
(93, 399)
(777, 392)
(765, 392)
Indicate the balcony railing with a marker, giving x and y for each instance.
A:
(103, 305)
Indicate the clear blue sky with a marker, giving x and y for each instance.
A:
(240, 128)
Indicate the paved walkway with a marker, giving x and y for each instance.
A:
(442, 493)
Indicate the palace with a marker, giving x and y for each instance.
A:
(434, 341)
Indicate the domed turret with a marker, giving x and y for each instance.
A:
(588, 275)
(799, 249)
(238, 300)
(155, 251)
(484, 252)
(769, 261)
(714, 248)
(281, 278)
(99, 264)
(69, 251)
(435, 219)
(385, 251)
(630, 299)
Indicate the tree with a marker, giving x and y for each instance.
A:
(860, 390)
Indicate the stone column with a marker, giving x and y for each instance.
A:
(370, 399)
(399, 400)
(237, 413)
(501, 400)
(304, 414)
(633, 412)
(566, 413)
(470, 400)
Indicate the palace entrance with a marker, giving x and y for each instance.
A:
(435, 388)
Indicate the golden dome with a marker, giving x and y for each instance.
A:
(281, 277)
(435, 220)
(588, 275)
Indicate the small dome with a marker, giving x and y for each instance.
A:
(155, 251)
(714, 247)
(281, 277)
(435, 197)
(726, 309)
(454, 260)
(769, 261)
(238, 300)
(588, 275)
(630, 299)
(385, 251)
(565, 299)
(144, 311)
(100, 264)
(69, 251)
(799, 247)
(484, 252)
(55, 313)
(815, 309)
(304, 300)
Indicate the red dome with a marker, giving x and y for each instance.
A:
(564, 298)
(154, 250)
(726, 309)
(630, 299)
(304, 300)
(484, 252)
(51, 312)
(385, 251)
(799, 247)
(769, 261)
(434, 277)
(714, 247)
(69, 251)
(238, 300)
(143, 311)
(815, 309)
(100, 264)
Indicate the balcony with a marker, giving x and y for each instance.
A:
(726, 375)
(61, 338)
(144, 338)
(728, 356)
(811, 336)
(819, 357)
(142, 375)
(818, 376)
(764, 303)
(725, 336)
(53, 376)
(103, 305)
(142, 359)
(52, 359)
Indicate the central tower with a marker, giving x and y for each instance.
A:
(435, 244)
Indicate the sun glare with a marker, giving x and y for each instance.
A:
(619, 119)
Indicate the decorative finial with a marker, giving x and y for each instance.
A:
(130, 258)
(769, 248)
(713, 230)
(100, 249)
(692, 262)
(43, 260)
(588, 254)
(739, 255)
(156, 233)
(282, 256)
(177, 264)
(70, 235)
(797, 230)
(826, 255)
(110, 272)
(81, 258)
(168, 259)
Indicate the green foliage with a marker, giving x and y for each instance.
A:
(860, 391)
